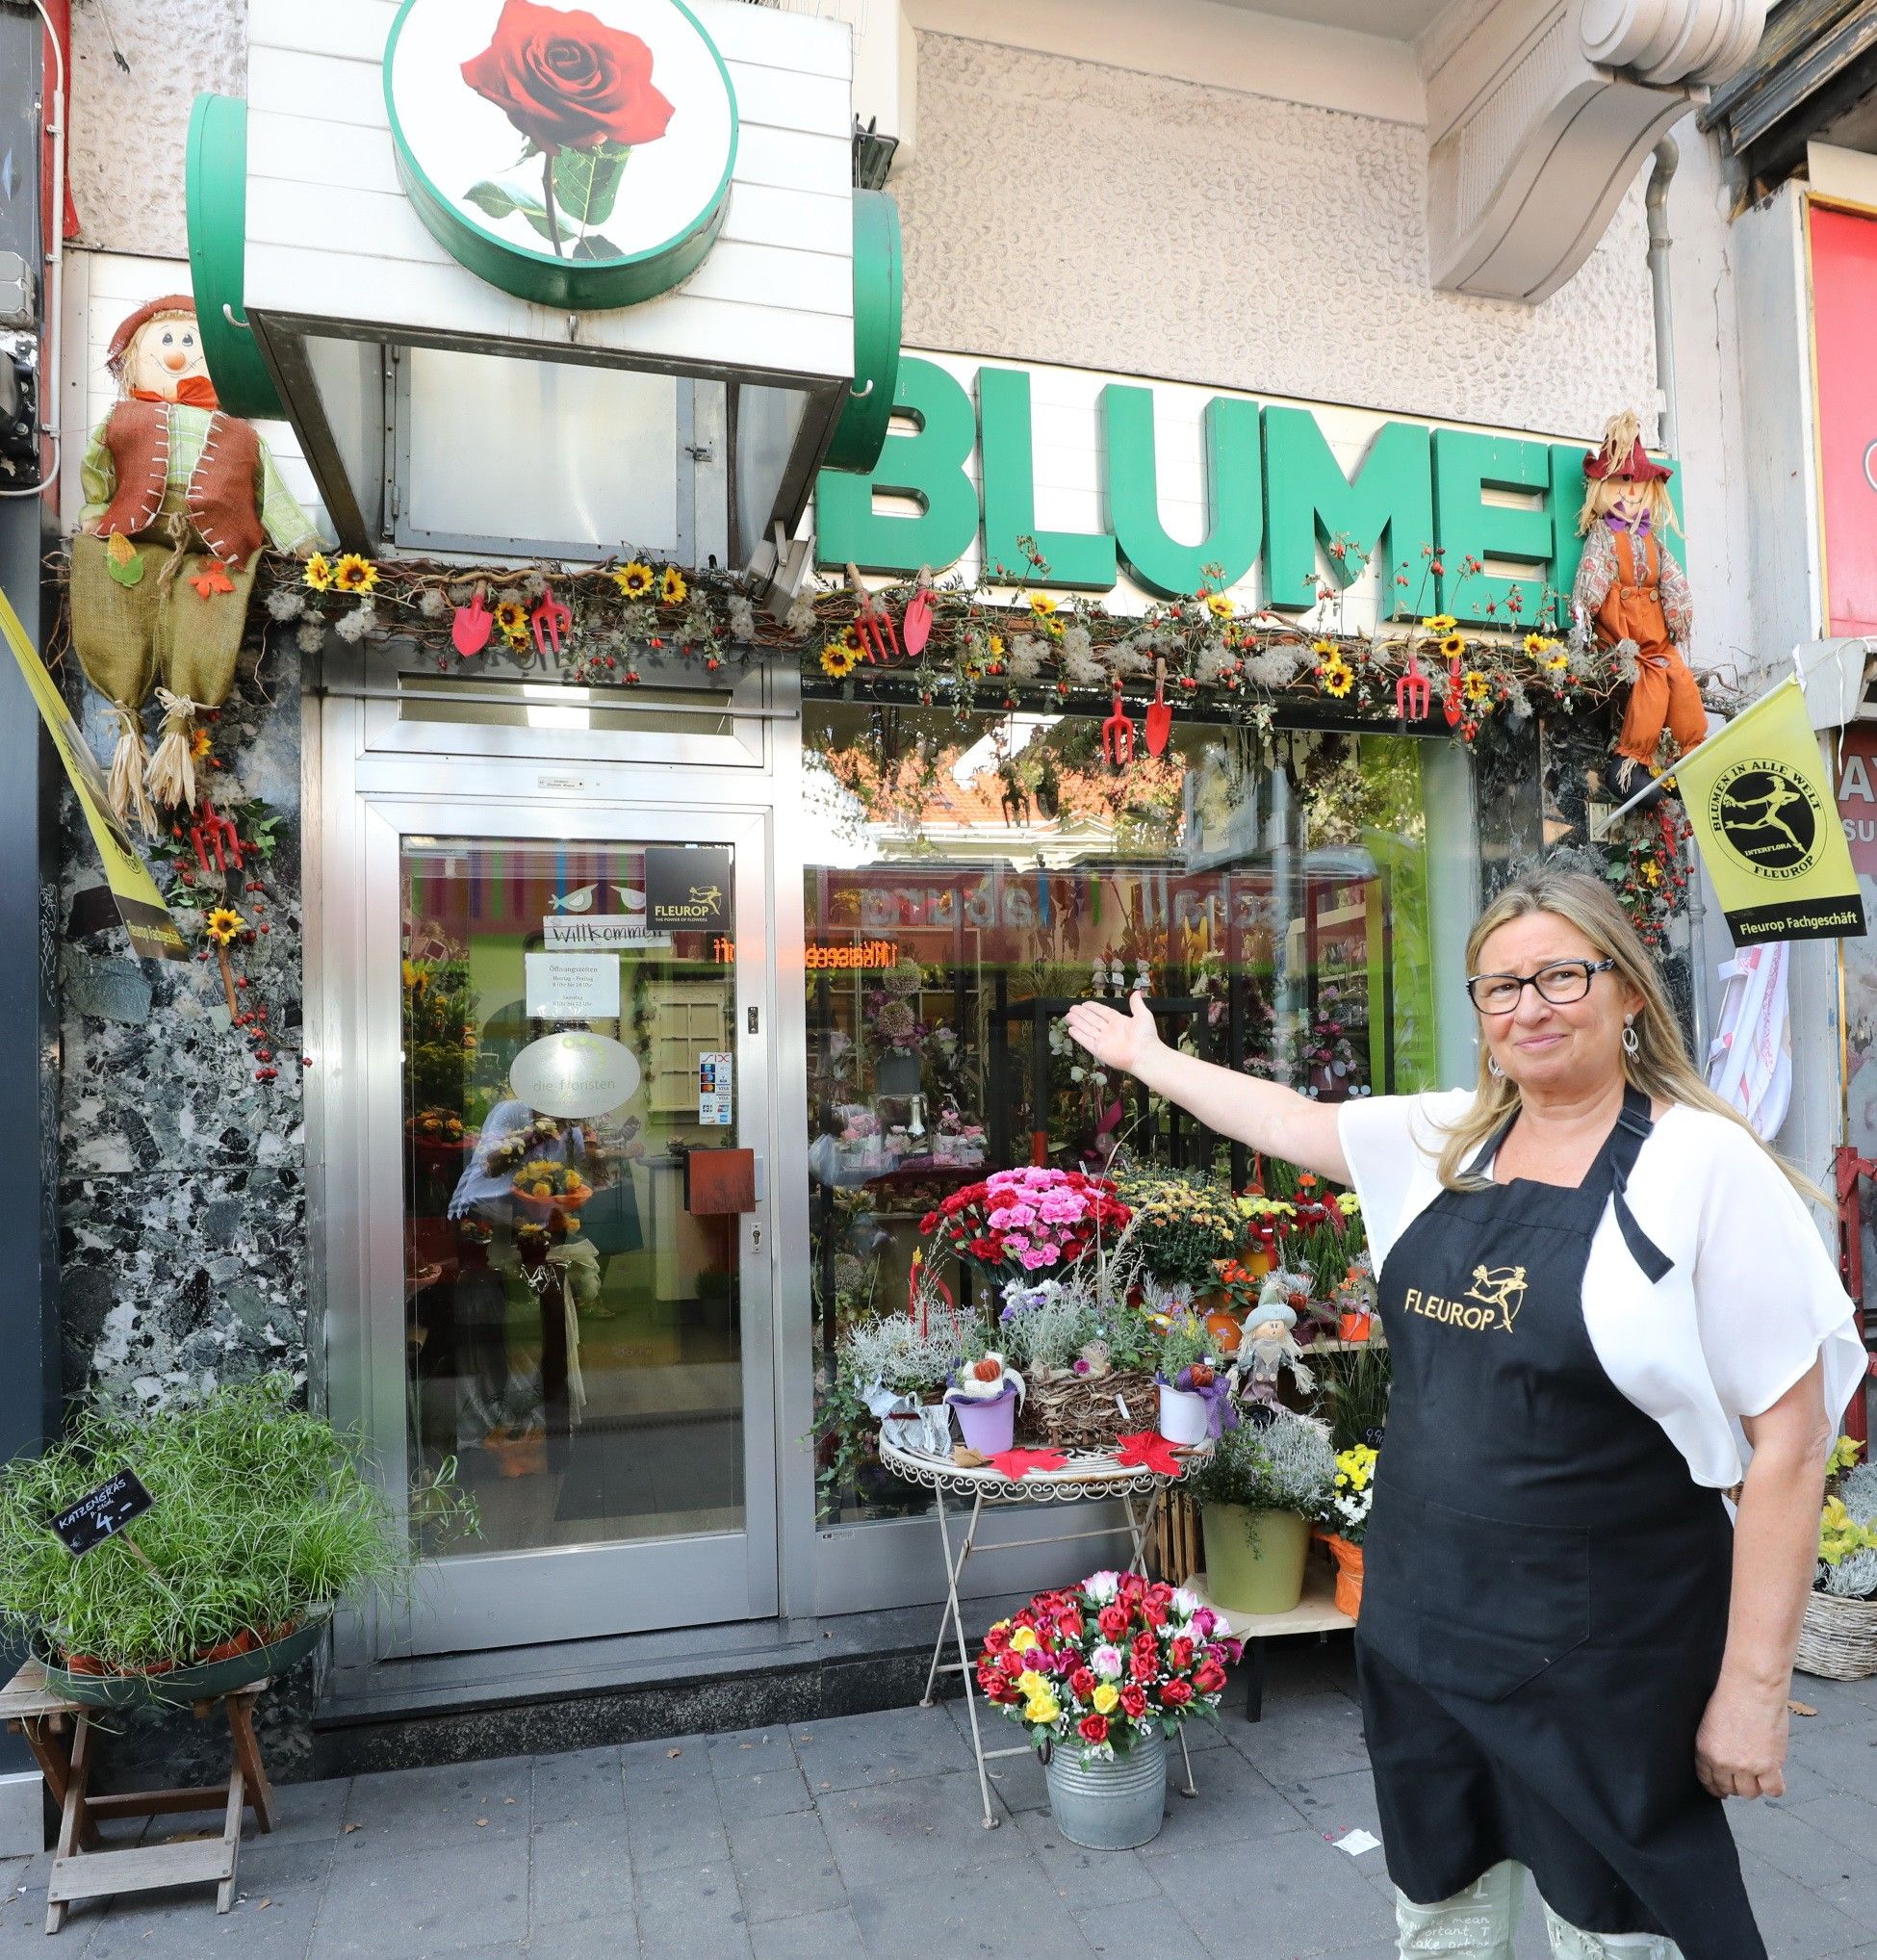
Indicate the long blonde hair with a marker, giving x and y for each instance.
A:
(1660, 1068)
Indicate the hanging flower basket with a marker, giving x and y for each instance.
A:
(1837, 1638)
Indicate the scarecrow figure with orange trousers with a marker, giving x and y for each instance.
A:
(1632, 598)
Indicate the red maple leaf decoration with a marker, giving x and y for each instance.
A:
(1020, 1462)
(1148, 1450)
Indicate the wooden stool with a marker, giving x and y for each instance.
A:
(63, 1738)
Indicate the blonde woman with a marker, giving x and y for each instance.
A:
(1607, 1305)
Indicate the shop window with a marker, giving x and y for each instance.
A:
(970, 876)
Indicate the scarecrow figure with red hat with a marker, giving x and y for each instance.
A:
(1634, 597)
(179, 499)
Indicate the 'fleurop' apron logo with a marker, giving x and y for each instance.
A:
(1768, 815)
(1491, 1302)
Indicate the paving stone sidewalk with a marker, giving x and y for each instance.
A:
(861, 1839)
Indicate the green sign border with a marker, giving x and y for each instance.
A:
(215, 177)
(878, 293)
(539, 276)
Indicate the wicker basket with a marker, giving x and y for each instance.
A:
(1839, 1637)
(1080, 1412)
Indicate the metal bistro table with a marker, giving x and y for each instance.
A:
(1085, 1477)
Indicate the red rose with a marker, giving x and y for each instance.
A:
(1134, 1701)
(928, 1225)
(1133, 1585)
(1147, 1645)
(1012, 1664)
(1070, 1625)
(1176, 1694)
(1210, 1676)
(1083, 1684)
(1180, 1654)
(997, 1639)
(1153, 1610)
(1092, 1728)
(568, 81)
(1144, 1668)
(1113, 1620)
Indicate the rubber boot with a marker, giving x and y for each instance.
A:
(1473, 1925)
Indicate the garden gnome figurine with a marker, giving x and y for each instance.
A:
(1269, 1345)
(1633, 596)
(179, 499)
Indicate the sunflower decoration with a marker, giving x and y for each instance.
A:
(1538, 645)
(672, 588)
(511, 616)
(201, 746)
(635, 579)
(224, 925)
(1439, 625)
(1043, 615)
(1220, 606)
(1476, 687)
(318, 572)
(838, 660)
(1335, 674)
(354, 574)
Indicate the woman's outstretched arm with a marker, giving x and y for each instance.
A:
(1269, 1116)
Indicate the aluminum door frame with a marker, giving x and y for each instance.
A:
(360, 804)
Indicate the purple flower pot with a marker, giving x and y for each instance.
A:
(990, 1428)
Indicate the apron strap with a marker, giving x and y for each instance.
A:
(1632, 1127)
(1490, 1148)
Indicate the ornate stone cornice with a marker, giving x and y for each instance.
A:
(1539, 116)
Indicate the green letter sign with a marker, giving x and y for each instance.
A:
(927, 466)
(1311, 502)
(1465, 465)
(1082, 560)
(1234, 493)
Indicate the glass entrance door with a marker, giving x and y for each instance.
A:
(580, 1293)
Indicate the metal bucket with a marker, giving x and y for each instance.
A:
(1110, 1806)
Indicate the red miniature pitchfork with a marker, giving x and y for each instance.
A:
(1117, 735)
(1414, 696)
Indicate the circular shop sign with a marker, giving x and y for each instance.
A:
(575, 1074)
(573, 156)
(1769, 816)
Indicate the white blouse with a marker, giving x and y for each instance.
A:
(1753, 1300)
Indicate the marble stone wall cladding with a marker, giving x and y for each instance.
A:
(183, 1174)
(1061, 210)
(135, 71)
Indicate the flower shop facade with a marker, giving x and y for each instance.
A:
(609, 824)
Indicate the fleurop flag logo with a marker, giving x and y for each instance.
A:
(1765, 817)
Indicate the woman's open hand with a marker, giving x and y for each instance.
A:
(1739, 1749)
(1117, 1040)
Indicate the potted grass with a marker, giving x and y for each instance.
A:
(1260, 1492)
(262, 1520)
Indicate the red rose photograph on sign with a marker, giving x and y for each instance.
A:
(586, 136)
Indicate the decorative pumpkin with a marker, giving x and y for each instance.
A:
(1223, 1331)
(179, 499)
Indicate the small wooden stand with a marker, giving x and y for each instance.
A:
(62, 1737)
(1316, 1612)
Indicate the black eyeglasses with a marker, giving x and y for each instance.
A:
(1560, 983)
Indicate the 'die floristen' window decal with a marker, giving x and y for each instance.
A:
(577, 157)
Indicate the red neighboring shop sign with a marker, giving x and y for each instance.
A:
(1843, 304)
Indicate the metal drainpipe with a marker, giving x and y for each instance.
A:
(1655, 205)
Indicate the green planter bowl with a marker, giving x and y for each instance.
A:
(1254, 1559)
(201, 1681)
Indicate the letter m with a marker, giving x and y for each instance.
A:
(1310, 502)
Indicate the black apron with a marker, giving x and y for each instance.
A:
(1546, 1596)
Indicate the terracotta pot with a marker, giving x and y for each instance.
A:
(1349, 1576)
(1355, 1326)
(83, 1663)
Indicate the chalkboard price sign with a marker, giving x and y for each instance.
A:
(116, 1503)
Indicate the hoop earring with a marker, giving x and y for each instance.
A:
(1631, 1041)
(1492, 1066)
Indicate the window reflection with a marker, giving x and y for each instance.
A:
(976, 874)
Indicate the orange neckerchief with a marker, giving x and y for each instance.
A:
(193, 391)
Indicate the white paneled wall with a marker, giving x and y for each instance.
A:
(332, 234)
(101, 289)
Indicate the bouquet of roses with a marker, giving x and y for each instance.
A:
(1098, 1665)
(1027, 1221)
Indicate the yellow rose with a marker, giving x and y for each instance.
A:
(1106, 1699)
(1043, 1710)
(1023, 1640)
(1031, 1684)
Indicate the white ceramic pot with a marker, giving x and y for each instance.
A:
(1184, 1417)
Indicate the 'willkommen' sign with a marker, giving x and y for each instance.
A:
(1121, 482)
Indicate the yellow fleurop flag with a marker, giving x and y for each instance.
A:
(153, 933)
(1766, 822)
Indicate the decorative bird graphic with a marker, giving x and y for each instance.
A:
(576, 901)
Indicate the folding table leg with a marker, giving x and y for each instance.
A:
(71, 1817)
(248, 1758)
(955, 1619)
